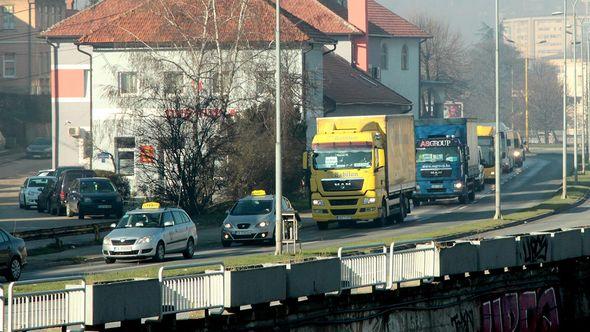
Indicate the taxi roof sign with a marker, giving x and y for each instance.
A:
(150, 205)
(258, 193)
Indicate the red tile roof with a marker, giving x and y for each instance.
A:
(384, 20)
(320, 17)
(177, 21)
(346, 85)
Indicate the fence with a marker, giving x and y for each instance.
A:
(46, 309)
(412, 264)
(362, 270)
(192, 291)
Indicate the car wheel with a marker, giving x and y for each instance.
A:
(160, 252)
(226, 244)
(189, 252)
(26, 206)
(14, 270)
(69, 211)
(80, 214)
(108, 260)
(20, 205)
(39, 209)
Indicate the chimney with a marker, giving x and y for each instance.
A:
(358, 15)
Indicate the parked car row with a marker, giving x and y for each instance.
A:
(71, 190)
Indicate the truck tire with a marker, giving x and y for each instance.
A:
(322, 226)
(401, 215)
(464, 199)
(382, 219)
(471, 195)
(416, 202)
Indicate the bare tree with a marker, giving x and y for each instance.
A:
(442, 58)
(545, 98)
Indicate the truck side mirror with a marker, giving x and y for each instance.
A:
(380, 162)
(305, 160)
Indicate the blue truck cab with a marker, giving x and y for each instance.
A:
(447, 159)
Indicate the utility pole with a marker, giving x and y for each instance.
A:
(575, 95)
(564, 111)
(498, 173)
(584, 105)
(278, 166)
(526, 97)
(30, 48)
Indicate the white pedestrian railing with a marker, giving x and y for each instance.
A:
(412, 264)
(46, 308)
(364, 269)
(1, 309)
(192, 291)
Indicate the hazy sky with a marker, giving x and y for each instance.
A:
(467, 15)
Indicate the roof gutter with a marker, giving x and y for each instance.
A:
(90, 103)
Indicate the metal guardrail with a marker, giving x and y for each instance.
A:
(363, 270)
(50, 233)
(190, 292)
(412, 264)
(46, 309)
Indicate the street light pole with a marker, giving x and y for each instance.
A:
(526, 97)
(497, 170)
(278, 168)
(584, 104)
(576, 108)
(564, 135)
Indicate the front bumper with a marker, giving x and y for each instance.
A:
(246, 235)
(439, 190)
(31, 200)
(135, 251)
(330, 213)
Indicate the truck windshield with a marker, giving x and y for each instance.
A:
(487, 150)
(342, 158)
(437, 154)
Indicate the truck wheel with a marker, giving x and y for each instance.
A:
(408, 206)
(416, 202)
(382, 219)
(322, 226)
(399, 218)
(463, 199)
(472, 195)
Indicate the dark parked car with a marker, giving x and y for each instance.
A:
(57, 199)
(43, 199)
(13, 255)
(39, 148)
(93, 196)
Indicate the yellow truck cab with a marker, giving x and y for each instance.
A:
(362, 168)
(485, 136)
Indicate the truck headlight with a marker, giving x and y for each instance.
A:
(317, 202)
(369, 200)
(458, 185)
(493, 173)
(517, 153)
(46, 149)
(262, 224)
(227, 225)
(145, 239)
(106, 241)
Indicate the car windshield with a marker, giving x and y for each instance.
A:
(250, 207)
(140, 220)
(437, 154)
(38, 183)
(342, 158)
(41, 141)
(96, 186)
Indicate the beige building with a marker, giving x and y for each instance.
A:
(540, 37)
(24, 57)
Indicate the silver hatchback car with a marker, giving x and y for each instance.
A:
(252, 219)
(151, 232)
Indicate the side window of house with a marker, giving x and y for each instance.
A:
(9, 65)
(8, 17)
(405, 58)
(384, 56)
(125, 155)
(172, 82)
(127, 82)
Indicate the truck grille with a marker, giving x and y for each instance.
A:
(430, 173)
(342, 184)
(343, 212)
(340, 202)
(437, 190)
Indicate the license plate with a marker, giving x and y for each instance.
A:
(104, 206)
(437, 186)
(243, 232)
(344, 217)
(122, 248)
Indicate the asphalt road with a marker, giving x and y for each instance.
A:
(526, 187)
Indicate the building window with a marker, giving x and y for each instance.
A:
(405, 57)
(172, 82)
(384, 56)
(264, 81)
(127, 83)
(8, 17)
(125, 155)
(9, 65)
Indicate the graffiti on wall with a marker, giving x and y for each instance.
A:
(535, 248)
(526, 311)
